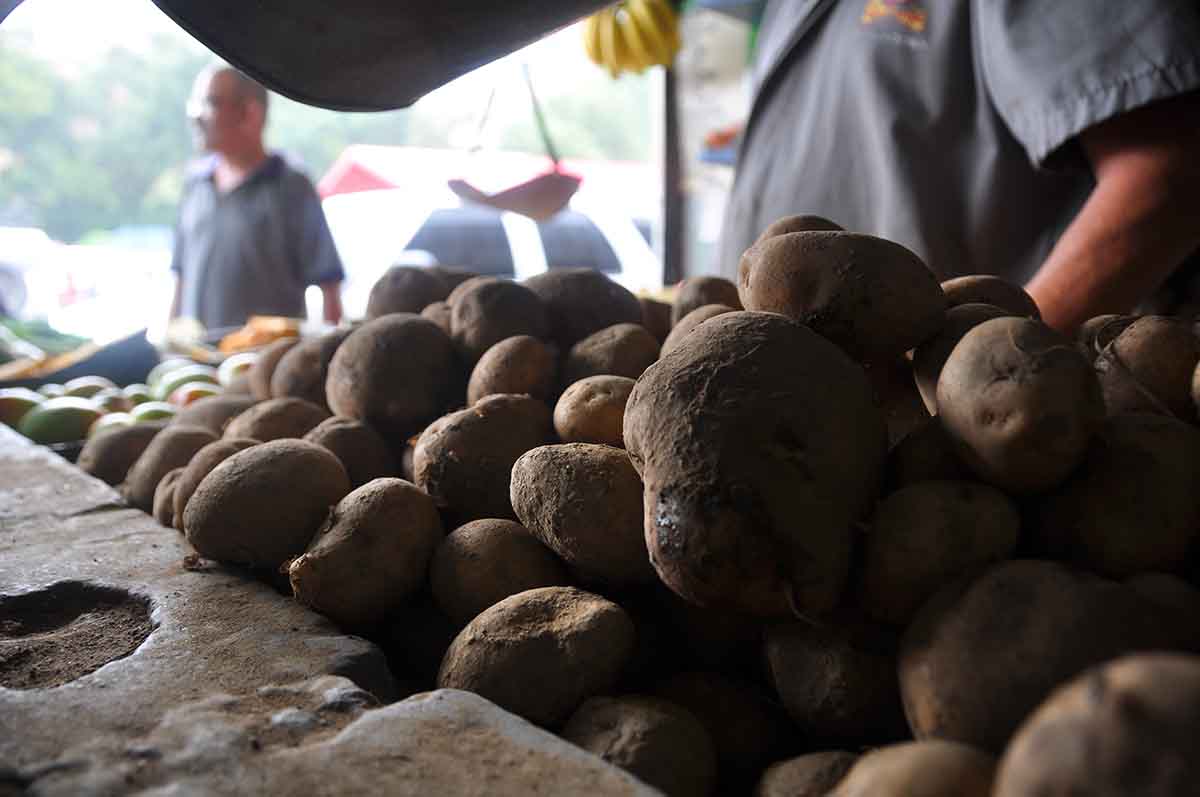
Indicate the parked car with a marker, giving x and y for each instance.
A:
(374, 230)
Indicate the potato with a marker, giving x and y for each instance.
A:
(277, 418)
(1132, 505)
(656, 317)
(405, 289)
(518, 365)
(464, 459)
(200, 466)
(1149, 368)
(689, 322)
(370, 556)
(583, 501)
(985, 651)
(872, 297)
(171, 448)
(696, 292)
(580, 301)
(440, 313)
(214, 412)
(109, 454)
(451, 275)
(838, 681)
(929, 358)
(483, 562)
(490, 312)
(540, 653)
(466, 286)
(262, 506)
(1131, 726)
(620, 350)
(1096, 333)
(592, 410)
(361, 450)
(925, 454)
(1165, 589)
(658, 742)
(1020, 404)
(302, 369)
(164, 497)
(927, 535)
(897, 397)
(805, 223)
(396, 374)
(933, 768)
(747, 728)
(989, 289)
(753, 423)
(259, 374)
(811, 775)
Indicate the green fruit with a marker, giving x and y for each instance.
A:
(138, 393)
(52, 390)
(59, 420)
(235, 364)
(112, 399)
(153, 411)
(15, 402)
(182, 376)
(110, 420)
(165, 367)
(88, 386)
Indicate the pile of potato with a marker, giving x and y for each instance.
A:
(835, 529)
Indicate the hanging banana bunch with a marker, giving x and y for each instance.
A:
(632, 35)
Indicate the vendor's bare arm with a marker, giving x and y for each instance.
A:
(1138, 224)
(331, 293)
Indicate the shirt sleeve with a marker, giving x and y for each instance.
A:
(317, 255)
(1053, 68)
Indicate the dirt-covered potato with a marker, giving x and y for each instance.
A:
(396, 374)
(872, 297)
(214, 412)
(925, 454)
(1149, 368)
(620, 350)
(897, 397)
(516, 365)
(689, 322)
(1131, 726)
(405, 289)
(696, 292)
(483, 562)
(372, 553)
(760, 447)
(453, 276)
(1020, 404)
(262, 506)
(592, 410)
(1165, 589)
(838, 680)
(933, 768)
(441, 314)
(1096, 333)
(302, 369)
(993, 290)
(277, 418)
(927, 535)
(109, 454)
(540, 653)
(466, 286)
(171, 448)
(258, 375)
(361, 450)
(659, 742)
(802, 223)
(584, 502)
(200, 466)
(464, 459)
(492, 311)
(656, 317)
(984, 652)
(811, 775)
(1132, 505)
(580, 301)
(164, 497)
(929, 358)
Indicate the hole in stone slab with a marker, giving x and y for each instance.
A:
(54, 635)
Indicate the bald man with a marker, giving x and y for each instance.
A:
(251, 236)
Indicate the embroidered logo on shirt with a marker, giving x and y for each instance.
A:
(907, 12)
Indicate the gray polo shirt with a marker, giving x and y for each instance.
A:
(947, 125)
(253, 250)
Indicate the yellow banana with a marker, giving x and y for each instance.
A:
(609, 56)
(641, 51)
(591, 40)
(646, 21)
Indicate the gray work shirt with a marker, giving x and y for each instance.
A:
(947, 125)
(253, 250)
